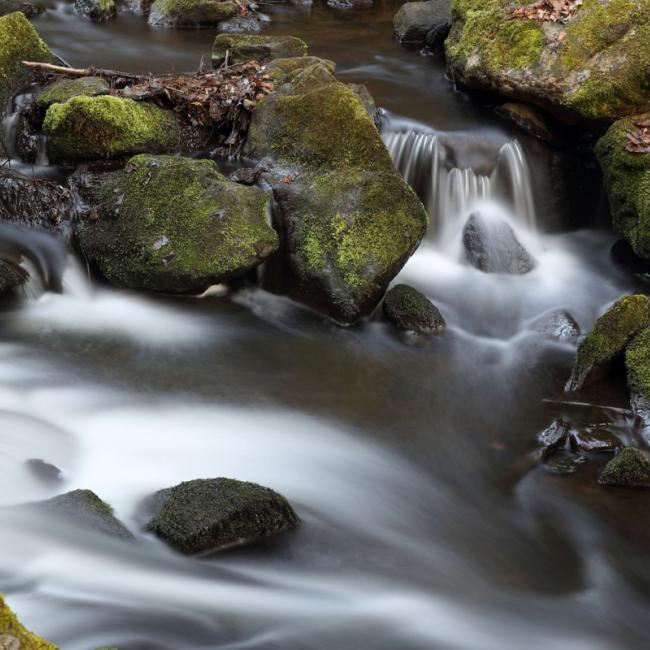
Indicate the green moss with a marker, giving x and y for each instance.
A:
(18, 42)
(609, 336)
(63, 90)
(407, 308)
(246, 47)
(88, 128)
(176, 224)
(284, 70)
(191, 13)
(12, 628)
(637, 364)
(630, 467)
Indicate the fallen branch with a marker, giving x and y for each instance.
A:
(80, 72)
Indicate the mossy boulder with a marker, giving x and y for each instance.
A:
(61, 91)
(245, 47)
(85, 509)
(627, 180)
(414, 20)
(637, 364)
(408, 309)
(15, 636)
(209, 514)
(629, 468)
(91, 128)
(19, 42)
(191, 13)
(348, 222)
(177, 225)
(608, 338)
(595, 67)
(96, 10)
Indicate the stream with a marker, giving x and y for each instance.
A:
(423, 525)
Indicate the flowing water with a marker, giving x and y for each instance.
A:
(424, 525)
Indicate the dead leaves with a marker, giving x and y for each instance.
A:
(638, 139)
(556, 11)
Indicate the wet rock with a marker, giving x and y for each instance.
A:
(528, 118)
(12, 277)
(18, 42)
(45, 472)
(595, 441)
(415, 20)
(84, 508)
(95, 128)
(240, 48)
(556, 324)
(623, 254)
(347, 220)
(593, 67)
(210, 514)
(608, 338)
(246, 175)
(349, 4)
(627, 181)
(176, 225)
(407, 308)
(637, 364)
(98, 11)
(61, 91)
(435, 39)
(630, 468)
(37, 204)
(10, 6)
(253, 23)
(191, 13)
(554, 437)
(492, 247)
(14, 636)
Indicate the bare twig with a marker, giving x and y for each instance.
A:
(79, 72)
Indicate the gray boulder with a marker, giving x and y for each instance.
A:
(415, 20)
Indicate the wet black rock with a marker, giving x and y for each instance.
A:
(594, 441)
(556, 324)
(434, 41)
(623, 254)
(629, 468)
(492, 246)
(84, 508)
(12, 277)
(210, 514)
(43, 471)
(416, 20)
(554, 437)
(407, 308)
(529, 118)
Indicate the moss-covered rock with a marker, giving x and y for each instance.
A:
(415, 20)
(209, 514)
(596, 67)
(608, 338)
(245, 47)
(629, 468)
(627, 180)
(348, 221)
(96, 10)
(18, 42)
(61, 91)
(15, 636)
(407, 308)
(177, 225)
(91, 128)
(191, 13)
(637, 364)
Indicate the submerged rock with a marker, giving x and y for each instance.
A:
(18, 42)
(177, 225)
(346, 218)
(92, 128)
(62, 90)
(592, 67)
(415, 20)
(595, 441)
(210, 514)
(191, 13)
(14, 636)
(244, 47)
(96, 10)
(556, 324)
(43, 471)
(493, 247)
(608, 338)
(84, 508)
(407, 308)
(630, 468)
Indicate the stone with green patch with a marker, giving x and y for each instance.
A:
(191, 13)
(98, 11)
(15, 636)
(608, 338)
(62, 90)
(409, 309)
(177, 225)
(629, 468)
(247, 47)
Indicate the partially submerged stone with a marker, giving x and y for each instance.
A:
(594, 67)
(91, 128)
(191, 13)
(595, 441)
(96, 10)
(62, 90)
(407, 308)
(556, 324)
(209, 514)
(246, 47)
(177, 225)
(629, 468)
(415, 20)
(85, 509)
(554, 437)
(18, 42)
(608, 338)
(15, 636)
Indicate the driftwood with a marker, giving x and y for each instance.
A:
(80, 72)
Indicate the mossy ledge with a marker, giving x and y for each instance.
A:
(15, 635)
(61, 91)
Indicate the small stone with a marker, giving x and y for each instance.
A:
(556, 324)
(554, 437)
(595, 441)
(407, 308)
(45, 472)
(630, 468)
